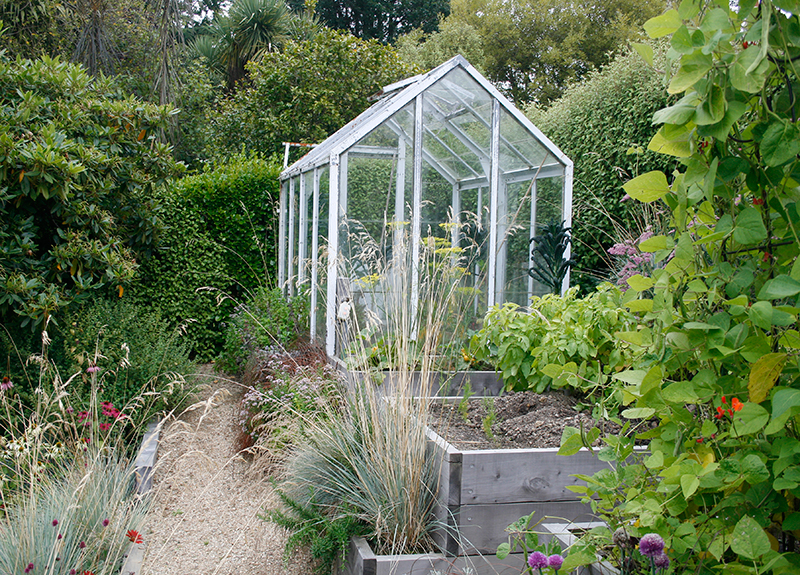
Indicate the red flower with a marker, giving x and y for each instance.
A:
(134, 536)
(720, 413)
(758, 201)
(723, 399)
(736, 404)
(699, 440)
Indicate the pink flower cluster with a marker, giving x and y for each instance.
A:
(632, 259)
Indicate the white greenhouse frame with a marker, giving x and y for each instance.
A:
(451, 121)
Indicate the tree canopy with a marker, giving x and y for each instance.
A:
(534, 48)
(302, 94)
(382, 20)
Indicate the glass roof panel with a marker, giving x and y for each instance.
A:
(457, 120)
(519, 148)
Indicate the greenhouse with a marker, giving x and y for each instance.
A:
(433, 194)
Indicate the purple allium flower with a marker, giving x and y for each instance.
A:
(555, 561)
(651, 545)
(105, 522)
(55, 522)
(537, 560)
(661, 561)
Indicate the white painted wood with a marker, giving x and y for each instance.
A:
(567, 211)
(333, 256)
(302, 236)
(494, 191)
(314, 256)
(290, 275)
(416, 215)
(534, 197)
(399, 195)
(282, 217)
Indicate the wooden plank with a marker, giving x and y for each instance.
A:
(482, 527)
(518, 475)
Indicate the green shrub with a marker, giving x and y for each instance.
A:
(563, 341)
(268, 320)
(217, 246)
(132, 346)
(598, 123)
(79, 167)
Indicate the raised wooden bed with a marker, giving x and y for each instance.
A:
(362, 561)
(482, 491)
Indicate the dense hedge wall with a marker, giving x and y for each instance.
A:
(219, 243)
(597, 123)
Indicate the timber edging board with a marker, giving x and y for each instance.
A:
(483, 491)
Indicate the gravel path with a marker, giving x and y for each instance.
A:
(205, 514)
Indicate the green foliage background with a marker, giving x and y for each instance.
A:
(596, 123)
(218, 244)
(302, 94)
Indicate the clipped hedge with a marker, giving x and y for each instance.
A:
(219, 243)
(596, 123)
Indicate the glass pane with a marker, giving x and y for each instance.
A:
(457, 120)
(474, 243)
(519, 148)
(377, 191)
(549, 208)
(514, 231)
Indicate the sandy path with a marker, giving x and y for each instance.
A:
(205, 514)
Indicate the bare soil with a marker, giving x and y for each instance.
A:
(515, 420)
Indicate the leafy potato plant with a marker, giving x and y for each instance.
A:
(563, 341)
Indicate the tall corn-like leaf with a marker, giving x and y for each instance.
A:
(550, 266)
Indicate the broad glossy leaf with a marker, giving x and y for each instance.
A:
(640, 283)
(638, 413)
(781, 142)
(749, 539)
(763, 375)
(760, 314)
(784, 400)
(712, 109)
(678, 114)
(722, 129)
(753, 81)
(678, 147)
(693, 68)
(681, 41)
(689, 484)
(654, 244)
(749, 227)
(750, 419)
(780, 287)
(645, 51)
(647, 187)
(663, 25)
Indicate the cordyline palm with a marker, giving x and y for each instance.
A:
(550, 267)
(251, 28)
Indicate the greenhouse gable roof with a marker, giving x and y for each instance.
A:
(395, 96)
